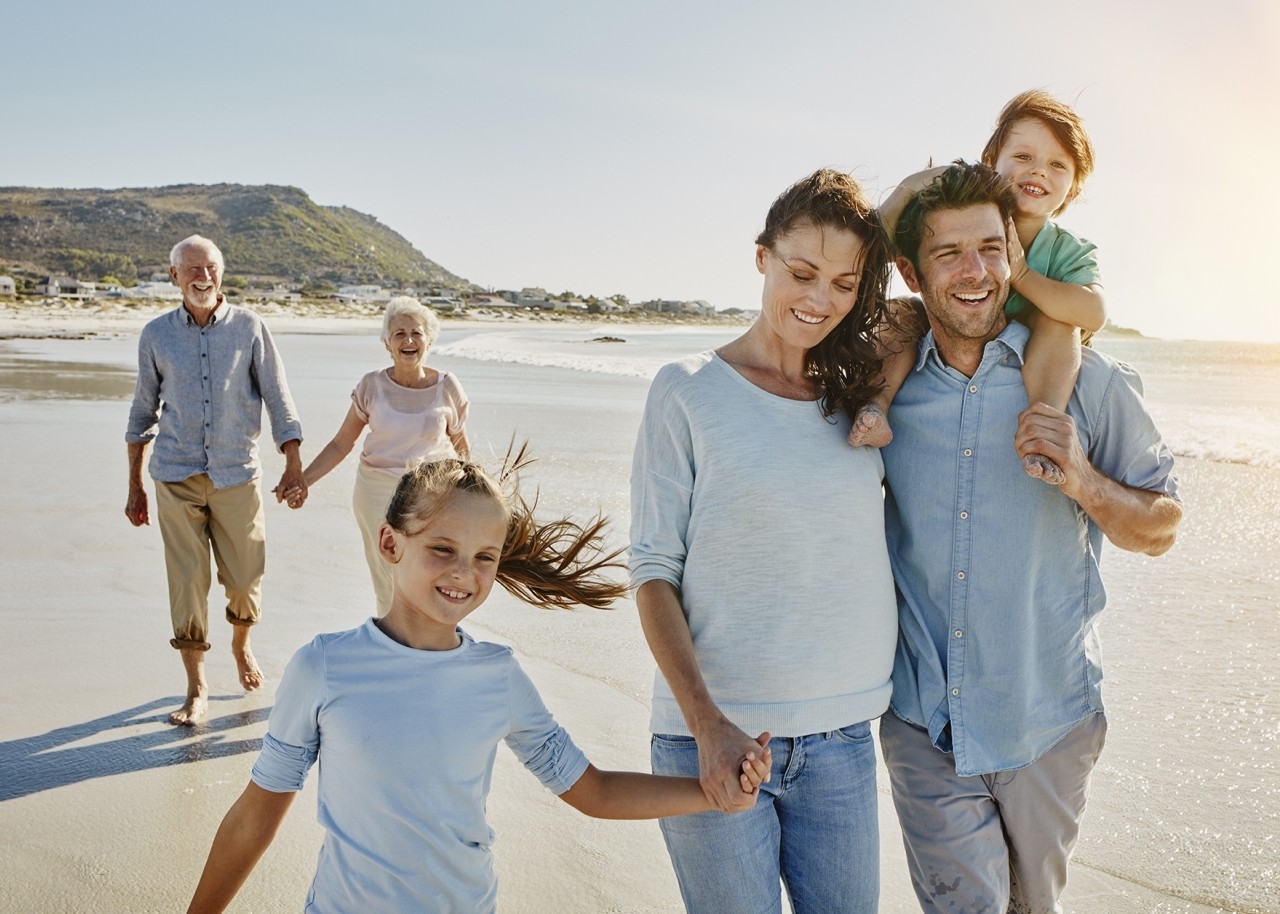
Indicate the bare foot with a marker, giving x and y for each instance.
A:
(250, 675)
(870, 428)
(193, 711)
(1039, 467)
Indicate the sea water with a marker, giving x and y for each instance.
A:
(1186, 797)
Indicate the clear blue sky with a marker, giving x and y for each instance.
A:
(634, 148)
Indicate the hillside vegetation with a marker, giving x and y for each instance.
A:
(266, 232)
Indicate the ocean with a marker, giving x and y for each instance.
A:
(1186, 798)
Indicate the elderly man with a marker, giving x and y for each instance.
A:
(997, 705)
(212, 366)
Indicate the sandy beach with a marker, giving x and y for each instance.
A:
(105, 807)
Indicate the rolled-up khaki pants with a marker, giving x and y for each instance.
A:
(194, 516)
(369, 501)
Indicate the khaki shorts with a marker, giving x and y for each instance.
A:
(194, 517)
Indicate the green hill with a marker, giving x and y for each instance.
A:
(266, 232)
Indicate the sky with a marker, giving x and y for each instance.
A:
(635, 148)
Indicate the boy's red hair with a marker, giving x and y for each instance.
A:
(1066, 126)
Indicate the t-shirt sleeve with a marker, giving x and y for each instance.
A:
(1127, 446)
(362, 398)
(538, 741)
(461, 406)
(662, 476)
(1074, 260)
(293, 732)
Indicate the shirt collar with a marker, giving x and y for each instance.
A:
(219, 313)
(1013, 338)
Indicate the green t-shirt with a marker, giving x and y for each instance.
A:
(1061, 256)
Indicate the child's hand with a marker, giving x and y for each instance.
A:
(756, 768)
(1017, 256)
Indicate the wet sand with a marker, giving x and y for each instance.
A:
(105, 807)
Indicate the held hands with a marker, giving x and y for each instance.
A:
(1052, 433)
(732, 766)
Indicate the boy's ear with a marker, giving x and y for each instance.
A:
(389, 546)
(909, 276)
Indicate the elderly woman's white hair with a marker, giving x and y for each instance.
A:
(407, 306)
(175, 253)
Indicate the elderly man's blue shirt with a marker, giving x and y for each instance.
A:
(212, 382)
(999, 589)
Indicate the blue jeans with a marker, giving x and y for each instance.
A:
(815, 826)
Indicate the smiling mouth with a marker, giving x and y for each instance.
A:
(457, 596)
(806, 318)
(1034, 190)
(973, 298)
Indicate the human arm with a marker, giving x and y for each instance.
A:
(1134, 519)
(632, 795)
(891, 209)
(292, 485)
(461, 445)
(135, 507)
(722, 746)
(244, 835)
(1078, 304)
(336, 450)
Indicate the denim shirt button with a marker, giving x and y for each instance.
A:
(973, 388)
(955, 691)
(968, 452)
(964, 515)
(960, 575)
(959, 633)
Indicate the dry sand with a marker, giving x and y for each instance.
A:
(105, 807)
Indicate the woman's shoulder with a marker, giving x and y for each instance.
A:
(685, 370)
(450, 385)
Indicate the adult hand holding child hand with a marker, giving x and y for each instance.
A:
(727, 760)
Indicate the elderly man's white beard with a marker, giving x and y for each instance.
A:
(202, 298)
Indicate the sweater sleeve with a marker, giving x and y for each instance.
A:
(662, 477)
(292, 743)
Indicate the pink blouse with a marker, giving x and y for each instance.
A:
(408, 423)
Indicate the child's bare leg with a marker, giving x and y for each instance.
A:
(1049, 371)
(871, 424)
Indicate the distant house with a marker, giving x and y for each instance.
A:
(65, 287)
(668, 306)
(277, 292)
(165, 291)
(534, 297)
(363, 294)
(7, 286)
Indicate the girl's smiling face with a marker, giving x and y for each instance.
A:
(444, 571)
(1043, 171)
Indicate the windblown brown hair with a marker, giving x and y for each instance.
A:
(552, 565)
(961, 186)
(845, 364)
(1062, 121)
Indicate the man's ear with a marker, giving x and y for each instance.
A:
(909, 276)
(389, 546)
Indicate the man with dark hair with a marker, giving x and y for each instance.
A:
(997, 716)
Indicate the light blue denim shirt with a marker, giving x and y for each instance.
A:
(999, 591)
(213, 382)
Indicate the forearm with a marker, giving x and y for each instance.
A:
(244, 835)
(461, 446)
(1136, 520)
(292, 450)
(136, 454)
(1074, 304)
(333, 454)
(667, 631)
(632, 795)
(891, 209)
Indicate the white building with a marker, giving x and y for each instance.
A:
(363, 294)
(7, 286)
(65, 287)
(165, 291)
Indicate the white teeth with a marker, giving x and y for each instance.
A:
(455, 594)
(808, 318)
(971, 296)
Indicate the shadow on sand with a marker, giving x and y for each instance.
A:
(35, 763)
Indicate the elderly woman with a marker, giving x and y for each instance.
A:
(413, 411)
(763, 579)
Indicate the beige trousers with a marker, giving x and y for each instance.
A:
(195, 516)
(369, 501)
(991, 843)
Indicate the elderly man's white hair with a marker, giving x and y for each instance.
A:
(407, 306)
(175, 255)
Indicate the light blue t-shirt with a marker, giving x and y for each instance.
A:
(406, 741)
(1061, 256)
(999, 589)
